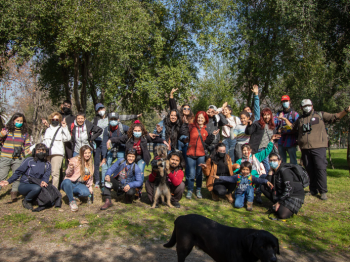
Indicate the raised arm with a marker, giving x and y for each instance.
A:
(172, 102)
(256, 102)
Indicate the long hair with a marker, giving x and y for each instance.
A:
(271, 122)
(214, 157)
(196, 118)
(40, 146)
(11, 125)
(82, 161)
(131, 129)
(172, 129)
(182, 164)
(189, 117)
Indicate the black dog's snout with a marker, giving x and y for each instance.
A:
(274, 259)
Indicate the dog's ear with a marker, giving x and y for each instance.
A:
(249, 241)
(277, 245)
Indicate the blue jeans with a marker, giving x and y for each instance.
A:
(265, 161)
(248, 195)
(142, 164)
(74, 188)
(183, 148)
(292, 152)
(195, 172)
(230, 148)
(109, 161)
(30, 191)
(75, 154)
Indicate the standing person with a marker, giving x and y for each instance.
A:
(79, 177)
(239, 135)
(37, 167)
(117, 151)
(158, 130)
(66, 112)
(174, 179)
(137, 138)
(233, 121)
(215, 120)
(288, 141)
(54, 138)
(199, 140)
(254, 114)
(14, 149)
(124, 176)
(260, 133)
(83, 133)
(313, 142)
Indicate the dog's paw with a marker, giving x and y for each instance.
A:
(160, 163)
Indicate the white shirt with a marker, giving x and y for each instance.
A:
(232, 121)
(62, 136)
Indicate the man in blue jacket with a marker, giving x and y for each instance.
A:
(124, 177)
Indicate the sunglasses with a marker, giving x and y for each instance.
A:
(56, 119)
(187, 108)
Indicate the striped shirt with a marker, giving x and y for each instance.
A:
(14, 140)
(239, 134)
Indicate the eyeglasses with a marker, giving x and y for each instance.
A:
(187, 108)
(55, 119)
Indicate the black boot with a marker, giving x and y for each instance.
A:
(258, 198)
(27, 205)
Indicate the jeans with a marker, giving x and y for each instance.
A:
(195, 172)
(141, 164)
(292, 152)
(248, 195)
(74, 188)
(265, 161)
(183, 148)
(109, 161)
(97, 161)
(5, 165)
(75, 154)
(230, 147)
(30, 191)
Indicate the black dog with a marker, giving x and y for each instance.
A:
(222, 243)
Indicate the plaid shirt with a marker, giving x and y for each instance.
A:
(287, 140)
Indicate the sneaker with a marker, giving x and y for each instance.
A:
(89, 200)
(249, 206)
(176, 204)
(199, 194)
(27, 205)
(189, 195)
(73, 206)
(97, 186)
(324, 196)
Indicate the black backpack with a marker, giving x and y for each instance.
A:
(300, 172)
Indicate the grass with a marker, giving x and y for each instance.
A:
(320, 226)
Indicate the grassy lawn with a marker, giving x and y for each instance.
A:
(320, 226)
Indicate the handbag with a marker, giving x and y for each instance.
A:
(205, 150)
(53, 140)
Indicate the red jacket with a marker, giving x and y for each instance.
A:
(195, 146)
(174, 177)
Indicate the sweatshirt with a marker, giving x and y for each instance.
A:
(244, 184)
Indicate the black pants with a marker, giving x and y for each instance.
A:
(97, 161)
(222, 188)
(115, 185)
(238, 151)
(315, 162)
(282, 212)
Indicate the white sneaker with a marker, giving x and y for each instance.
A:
(73, 206)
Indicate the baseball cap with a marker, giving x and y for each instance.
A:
(306, 102)
(98, 106)
(285, 97)
(213, 107)
(113, 115)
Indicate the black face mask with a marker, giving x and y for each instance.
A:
(41, 155)
(66, 110)
(221, 155)
(55, 122)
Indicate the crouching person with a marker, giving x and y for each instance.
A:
(245, 188)
(124, 176)
(174, 178)
(37, 167)
(79, 177)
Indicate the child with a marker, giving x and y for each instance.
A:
(245, 189)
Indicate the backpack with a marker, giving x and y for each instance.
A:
(300, 172)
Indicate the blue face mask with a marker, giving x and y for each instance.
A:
(137, 134)
(113, 122)
(274, 164)
(285, 104)
(18, 125)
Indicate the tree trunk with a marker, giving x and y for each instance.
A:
(92, 88)
(84, 69)
(65, 77)
(76, 81)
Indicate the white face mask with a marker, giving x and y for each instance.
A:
(307, 109)
(102, 113)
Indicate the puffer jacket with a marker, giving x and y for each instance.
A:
(195, 146)
(134, 180)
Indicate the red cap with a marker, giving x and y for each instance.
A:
(285, 97)
(137, 122)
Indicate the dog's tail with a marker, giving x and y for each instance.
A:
(172, 240)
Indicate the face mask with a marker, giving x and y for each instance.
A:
(18, 125)
(274, 164)
(40, 155)
(102, 113)
(137, 134)
(66, 110)
(250, 114)
(113, 122)
(55, 122)
(221, 155)
(285, 104)
(307, 109)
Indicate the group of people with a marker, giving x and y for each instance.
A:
(237, 154)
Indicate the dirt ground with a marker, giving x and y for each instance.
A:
(114, 250)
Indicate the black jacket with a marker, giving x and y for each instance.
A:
(256, 133)
(92, 130)
(49, 196)
(213, 125)
(129, 143)
(69, 118)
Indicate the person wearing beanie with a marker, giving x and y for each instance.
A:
(313, 142)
